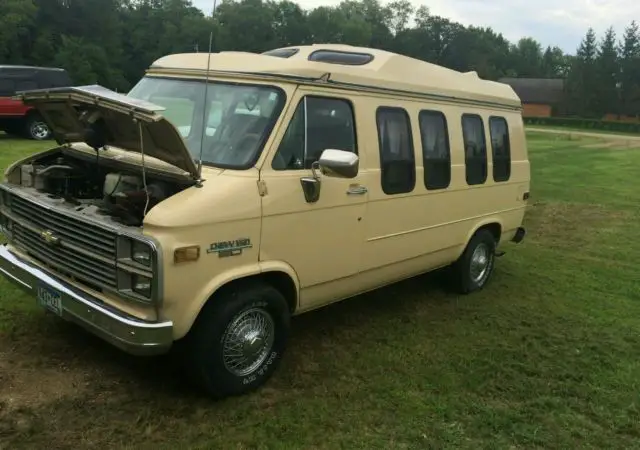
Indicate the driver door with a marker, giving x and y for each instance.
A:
(322, 240)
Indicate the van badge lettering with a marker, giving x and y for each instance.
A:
(230, 248)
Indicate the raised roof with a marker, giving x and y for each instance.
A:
(384, 70)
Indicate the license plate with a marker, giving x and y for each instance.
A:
(49, 299)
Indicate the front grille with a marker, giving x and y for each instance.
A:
(86, 252)
(65, 260)
(84, 235)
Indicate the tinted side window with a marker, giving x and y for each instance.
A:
(397, 161)
(26, 85)
(475, 149)
(435, 149)
(57, 79)
(319, 123)
(501, 148)
(7, 87)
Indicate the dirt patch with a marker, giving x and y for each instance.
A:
(25, 386)
(572, 224)
(607, 136)
(600, 145)
(617, 144)
(22, 387)
(605, 141)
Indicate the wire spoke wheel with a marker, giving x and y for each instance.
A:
(247, 341)
(480, 263)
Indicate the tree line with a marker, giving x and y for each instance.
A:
(112, 42)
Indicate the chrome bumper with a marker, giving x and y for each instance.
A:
(132, 335)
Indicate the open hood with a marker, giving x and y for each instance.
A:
(101, 117)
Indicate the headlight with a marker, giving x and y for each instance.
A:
(6, 226)
(141, 253)
(141, 285)
(5, 198)
(138, 278)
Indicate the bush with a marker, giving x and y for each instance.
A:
(587, 124)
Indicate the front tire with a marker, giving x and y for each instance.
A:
(238, 340)
(475, 266)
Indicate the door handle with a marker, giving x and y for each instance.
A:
(357, 190)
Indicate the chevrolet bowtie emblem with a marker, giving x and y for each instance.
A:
(49, 237)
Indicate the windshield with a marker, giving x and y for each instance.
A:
(238, 118)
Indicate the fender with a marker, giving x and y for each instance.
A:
(8, 172)
(192, 310)
(490, 220)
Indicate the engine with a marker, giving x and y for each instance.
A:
(123, 196)
(126, 197)
(61, 178)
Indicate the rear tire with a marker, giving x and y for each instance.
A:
(238, 340)
(473, 270)
(36, 128)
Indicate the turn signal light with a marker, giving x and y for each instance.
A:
(185, 254)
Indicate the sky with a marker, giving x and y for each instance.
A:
(551, 22)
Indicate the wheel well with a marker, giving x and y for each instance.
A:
(31, 113)
(279, 280)
(494, 228)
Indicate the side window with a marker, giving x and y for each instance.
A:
(435, 149)
(26, 85)
(7, 87)
(501, 148)
(397, 160)
(319, 123)
(52, 79)
(475, 149)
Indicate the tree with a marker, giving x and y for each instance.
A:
(112, 42)
(290, 24)
(554, 63)
(608, 72)
(400, 12)
(582, 80)
(528, 58)
(339, 25)
(16, 19)
(629, 53)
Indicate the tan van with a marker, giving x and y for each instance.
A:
(205, 215)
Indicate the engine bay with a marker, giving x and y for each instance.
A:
(122, 195)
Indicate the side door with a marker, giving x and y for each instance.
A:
(7, 89)
(322, 240)
(394, 208)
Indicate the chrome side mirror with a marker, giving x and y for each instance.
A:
(332, 163)
(339, 163)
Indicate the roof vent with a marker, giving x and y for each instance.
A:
(340, 57)
(282, 52)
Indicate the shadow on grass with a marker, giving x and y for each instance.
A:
(65, 343)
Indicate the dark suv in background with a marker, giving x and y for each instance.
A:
(15, 117)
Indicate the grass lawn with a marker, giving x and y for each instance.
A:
(546, 357)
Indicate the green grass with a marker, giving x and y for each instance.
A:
(545, 357)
